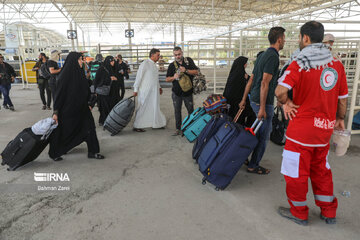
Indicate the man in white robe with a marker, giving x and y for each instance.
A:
(147, 88)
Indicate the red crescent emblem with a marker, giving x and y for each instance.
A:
(326, 80)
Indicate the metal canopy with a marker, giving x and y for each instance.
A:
(204, 13)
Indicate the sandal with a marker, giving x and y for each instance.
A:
(259, 170)
(139, 130)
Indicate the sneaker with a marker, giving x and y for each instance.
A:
(43, 107)
(12, 108)
(5, 107)
(328, 220)
(48, 108)
(285, 212)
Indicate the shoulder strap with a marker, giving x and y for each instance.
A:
(186, 60)
(176, 65)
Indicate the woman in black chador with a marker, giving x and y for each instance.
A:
(234, 91)
(107, 76)
(72, 112)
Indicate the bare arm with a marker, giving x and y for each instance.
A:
(54, 71)
(246, 92)
(340, 114)
(290, 109)
(264, 89)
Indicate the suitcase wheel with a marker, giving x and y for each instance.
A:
(203, 181)
(217, 189)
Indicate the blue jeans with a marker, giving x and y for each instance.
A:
(263, 134)
(5, 89)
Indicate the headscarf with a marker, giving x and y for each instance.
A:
(107, 65)
(236, 82)
(98, 57)
(72, 86)
(54, 56)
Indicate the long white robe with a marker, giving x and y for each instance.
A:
(147, 85)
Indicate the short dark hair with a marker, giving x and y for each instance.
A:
(153, 51)
(177, 49)
(315, 31)
(119, 56)
(43, 54)
(275, 33)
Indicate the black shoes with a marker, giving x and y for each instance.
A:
(285, 212)
(96, 155)
(43, 107)
(5, 107)
(12, 108)
(328, 220)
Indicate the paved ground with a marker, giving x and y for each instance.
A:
(149, 188)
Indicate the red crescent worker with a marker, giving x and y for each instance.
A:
(318, 106)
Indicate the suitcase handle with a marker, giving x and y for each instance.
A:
(236, 118)
(255, 127)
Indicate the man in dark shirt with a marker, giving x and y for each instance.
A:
(43, 82)
(54, 69)
(7, 76)
(263, 83)
(123, 69)
(181, 66)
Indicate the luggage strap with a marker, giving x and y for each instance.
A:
(236, 118)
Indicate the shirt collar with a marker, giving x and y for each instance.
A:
(274, 50)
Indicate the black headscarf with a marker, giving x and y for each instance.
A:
(107, 65)
(236, 82)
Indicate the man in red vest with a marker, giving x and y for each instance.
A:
(319, 105)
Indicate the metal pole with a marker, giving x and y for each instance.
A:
(72, 40)
(182, 36)
(229, 50)
(198, 54)
(77, 38)
(129, 27)
(215, 65)
(174, 34)
(240, 47)
(354, 91)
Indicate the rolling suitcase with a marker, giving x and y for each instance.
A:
(25, 148)
(225, 153)
(209, 130)
(120, 116)
(193, 124)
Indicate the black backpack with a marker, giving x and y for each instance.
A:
(44, 71)
(279, 126)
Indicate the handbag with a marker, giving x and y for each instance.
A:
(103, 90)
(279, 126)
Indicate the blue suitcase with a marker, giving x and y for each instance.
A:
(225, 153)
(193, 124)
(209, 130)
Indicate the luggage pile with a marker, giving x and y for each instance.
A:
(222, 145)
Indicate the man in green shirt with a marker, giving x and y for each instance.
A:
(262, 84)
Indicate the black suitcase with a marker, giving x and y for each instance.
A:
(25, 148)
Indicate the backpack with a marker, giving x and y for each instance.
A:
(199, 83)
(184, 79)
(93, 69)
(215, 103)
(44, 71)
